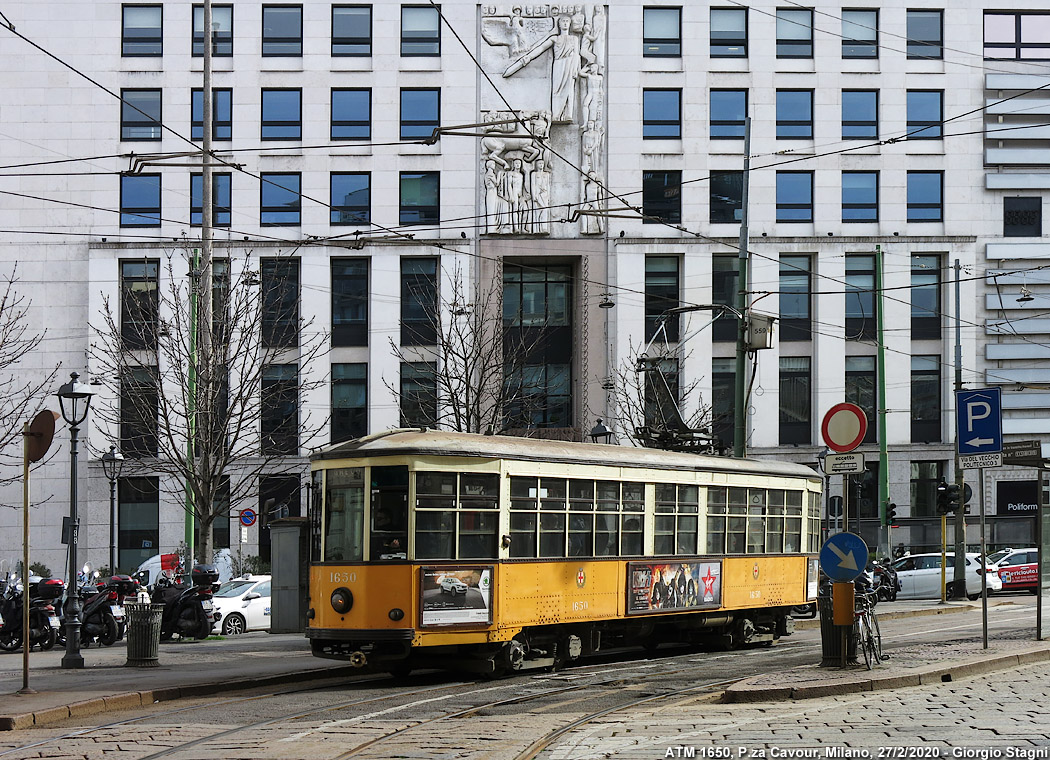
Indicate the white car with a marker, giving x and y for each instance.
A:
(450, 585)
(919, 576)
(242, 604)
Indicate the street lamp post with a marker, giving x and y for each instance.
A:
(74, 399)
(112, 465)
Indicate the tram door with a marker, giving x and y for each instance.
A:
(389, 510)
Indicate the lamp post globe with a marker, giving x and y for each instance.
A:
(112, 466)
(74, 399)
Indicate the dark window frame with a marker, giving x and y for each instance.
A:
(266, 181)
(724, 291)
(221, 42)
(139, 430)
(873, 124)
(342, 214)
(794, 123)
(787, 46)
(663, 288)
(800, 430)
(428, 213)
(925, 205)
(871, 205)
(275, 41)
(222, 129)
(132, 116)
(351, 123)
(792, 205)
(139, 303)
(418, 397)
(726, 44)
(925, 128)
(860, 287)
(157, 40)
(926, 278)
(667, 208)
(278, 428)
(926, 428)
(798, 326)
(349, 421)
(420, 294)
(280, 285)
(661, 47)
(408, 127)
(924, 49)
(1018, 46)
(350, 288)
(275, 125)
(861, 382)
(734, 125)
(221, 212)
(151, 215)
(351, 41)
(867, 48)
(421, 40)
(1025, 218)
(723, 202)
(659, 124)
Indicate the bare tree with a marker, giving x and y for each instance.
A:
(21, 389)
(214, 416)
(480, 364)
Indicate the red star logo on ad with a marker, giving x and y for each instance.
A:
(709, 583)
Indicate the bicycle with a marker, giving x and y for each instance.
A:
(866, 628)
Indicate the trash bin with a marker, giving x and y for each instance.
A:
(831, 634)
(143, 634)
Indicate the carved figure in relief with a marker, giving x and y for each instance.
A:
(517, 200)
(495, 204)
(541, 197)
(591, 142)
(501, 139)
(591, 224)
(565, 47)
(592, 93)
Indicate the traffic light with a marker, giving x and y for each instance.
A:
(891, 514)
(948, 500)
(954, 498)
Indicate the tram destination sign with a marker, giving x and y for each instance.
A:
(1023, 453)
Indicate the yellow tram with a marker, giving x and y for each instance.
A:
(492, 553)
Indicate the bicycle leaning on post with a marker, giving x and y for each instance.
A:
(866, 628)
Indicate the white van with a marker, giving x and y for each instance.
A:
(150, 570)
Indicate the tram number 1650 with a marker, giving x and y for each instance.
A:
(342, 577)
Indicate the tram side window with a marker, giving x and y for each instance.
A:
(775, 522)
(478, 517)
(344, 515)
(756, 518)
(457, 515)
(736, 525)
(314, 513)
(435, 515)
(814, 522)
(677, 521)
(631, 542)
(389, 529)
(793, 522)
(716, 519)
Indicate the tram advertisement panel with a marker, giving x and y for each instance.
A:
(655, 586)
(812, 578)
(456, 595)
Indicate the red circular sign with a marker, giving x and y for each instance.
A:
(844, 427)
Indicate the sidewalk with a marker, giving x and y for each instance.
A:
(186, 669)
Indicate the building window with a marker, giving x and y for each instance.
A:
(860, 114)
(724, 275)
(139, 304)
(420, 112)
(220, 199)
(350, 198)
(794, 114)
(661, 114)
(140, 115)
(662, 288)
(419, 301)
(351, 30)
(925, 399)
(1023, 217)
(860, 196)
(925, 477)
(1017, 36)
(280, 297)
(281, 199)
(925, 297)
(280, 409)
(420, 30)
(795, 400)
(661, 32)
(662, 197)
(279, 496)
(794, 196)
(795, 298)
(140, 200)
(860, 390)
(925, 33)
(728, 111)
(139, 404)
(925, 114)
(794, 33)
(729, 32)
(349, 302)
(418, 394)
(860, 34)
(723, 399)
(539, 396)
(143, 31)
(282, 33)
(420, 198)
(727, 196)
(349, 401)
(221, 31)
(860, 296)
(282, 114)
(221, 114)
(351, 114)
(925, 196)
(138, 538)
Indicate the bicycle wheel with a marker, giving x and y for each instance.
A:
(876, 636)
(861, 635)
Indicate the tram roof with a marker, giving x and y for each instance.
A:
(443, 443)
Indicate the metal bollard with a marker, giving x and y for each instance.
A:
(143, 634)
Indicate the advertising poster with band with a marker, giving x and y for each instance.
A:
(456, 595)
(665, 586)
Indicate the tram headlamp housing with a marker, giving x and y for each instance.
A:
(396, 614)
(342, 600)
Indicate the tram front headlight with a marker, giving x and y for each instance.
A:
(342, 600)
(396, 614)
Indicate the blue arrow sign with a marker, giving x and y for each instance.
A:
(843, 557)
(979, 421)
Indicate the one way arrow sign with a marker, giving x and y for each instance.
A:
(843, 557)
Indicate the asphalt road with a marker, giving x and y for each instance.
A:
(437, 715)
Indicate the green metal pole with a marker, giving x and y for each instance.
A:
(191, 407)
(740, 381)
(884, 475)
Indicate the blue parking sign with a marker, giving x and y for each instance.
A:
(979, 421)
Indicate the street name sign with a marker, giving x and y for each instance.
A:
(843, 557)
(843, 464)
(979, 422)
(1024, 453)
(980, 461)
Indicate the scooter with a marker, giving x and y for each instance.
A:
(102, 616)
(43, 619)
(188, 609)
(886, 583)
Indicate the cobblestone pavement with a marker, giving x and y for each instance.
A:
(999, 715)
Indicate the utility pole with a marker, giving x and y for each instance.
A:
(740, 381)
(884, 475)
(959, 577)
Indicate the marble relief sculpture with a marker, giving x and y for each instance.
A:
(558, 52)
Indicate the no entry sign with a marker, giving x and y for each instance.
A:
(844, 427)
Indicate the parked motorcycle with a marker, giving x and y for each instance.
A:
(43, 618)
(188, 610)
(102, 616)
(884, 580)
